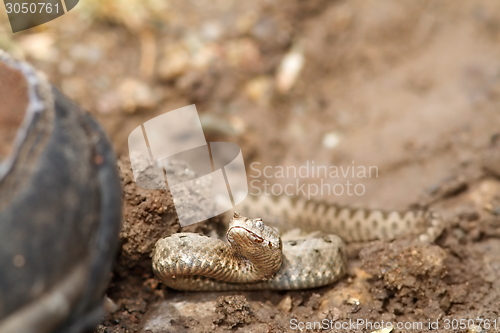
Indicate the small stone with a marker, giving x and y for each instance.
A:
(331, 140)
(216, 125)
(286, 304)
(211, 30)
(243, 53)
(289, 69)
(40, 46)
(110, 305)
(174, 63)
(353, 301)
(259, 89)
(384, 330)
(475, 329)
(135, 95)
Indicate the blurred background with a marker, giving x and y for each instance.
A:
(412, 88)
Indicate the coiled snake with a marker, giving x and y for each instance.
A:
(257, 258)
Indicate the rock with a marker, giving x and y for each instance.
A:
(135, 95)
(40, 46)
(260, 89)
(174, 62)
(130, 96)
(331, 140)
(289, 69)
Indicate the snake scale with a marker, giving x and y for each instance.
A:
(256, 258)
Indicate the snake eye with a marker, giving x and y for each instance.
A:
(259, 224)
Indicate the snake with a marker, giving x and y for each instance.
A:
(256, 257)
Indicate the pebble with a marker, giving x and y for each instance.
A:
(135, 95)
(40, 46)
(475, 329)
(260, 89)
(211, 30)
(286, 304)
(174, 63)
(110, 305)
(331, 140)
(130, 96)
(217, 125)
(243, 53)
(289, 69)
(384, 330)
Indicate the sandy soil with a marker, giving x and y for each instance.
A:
(412, 89)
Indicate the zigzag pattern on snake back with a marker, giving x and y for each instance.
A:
(188, 261)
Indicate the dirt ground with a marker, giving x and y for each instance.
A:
(412, 88)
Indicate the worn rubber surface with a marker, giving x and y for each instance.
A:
(60, 211)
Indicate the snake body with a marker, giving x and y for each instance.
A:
(256, 258)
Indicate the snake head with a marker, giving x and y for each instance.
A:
(254, 231)
(256, 241)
